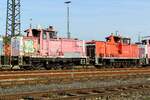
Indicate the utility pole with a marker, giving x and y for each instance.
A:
(68, 19)
(13, 24)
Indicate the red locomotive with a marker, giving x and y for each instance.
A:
(117, 51)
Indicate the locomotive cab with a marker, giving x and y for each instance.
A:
(38, 32)
(118, 39)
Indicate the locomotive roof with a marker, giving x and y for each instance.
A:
(118, 37)
(49, 29)
(40, 30)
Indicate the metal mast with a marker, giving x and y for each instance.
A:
(13, 26)
(68, 19)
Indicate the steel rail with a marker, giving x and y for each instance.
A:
(71, 70)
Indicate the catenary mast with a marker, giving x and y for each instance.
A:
(13, 26)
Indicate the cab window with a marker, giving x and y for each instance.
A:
(144, 42)
(35, 33)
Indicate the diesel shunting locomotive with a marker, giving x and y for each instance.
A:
(43, 48)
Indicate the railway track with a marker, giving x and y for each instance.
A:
(85, 68)
(21, 74)
(72, 70)
(78, 94)
(13, 78)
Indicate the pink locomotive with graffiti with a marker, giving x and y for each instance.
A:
(43, 48)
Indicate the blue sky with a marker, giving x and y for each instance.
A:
(90, 19)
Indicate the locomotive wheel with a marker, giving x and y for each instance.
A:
(48, 67)
(97, 66)
(26, 67)
(57, 66)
